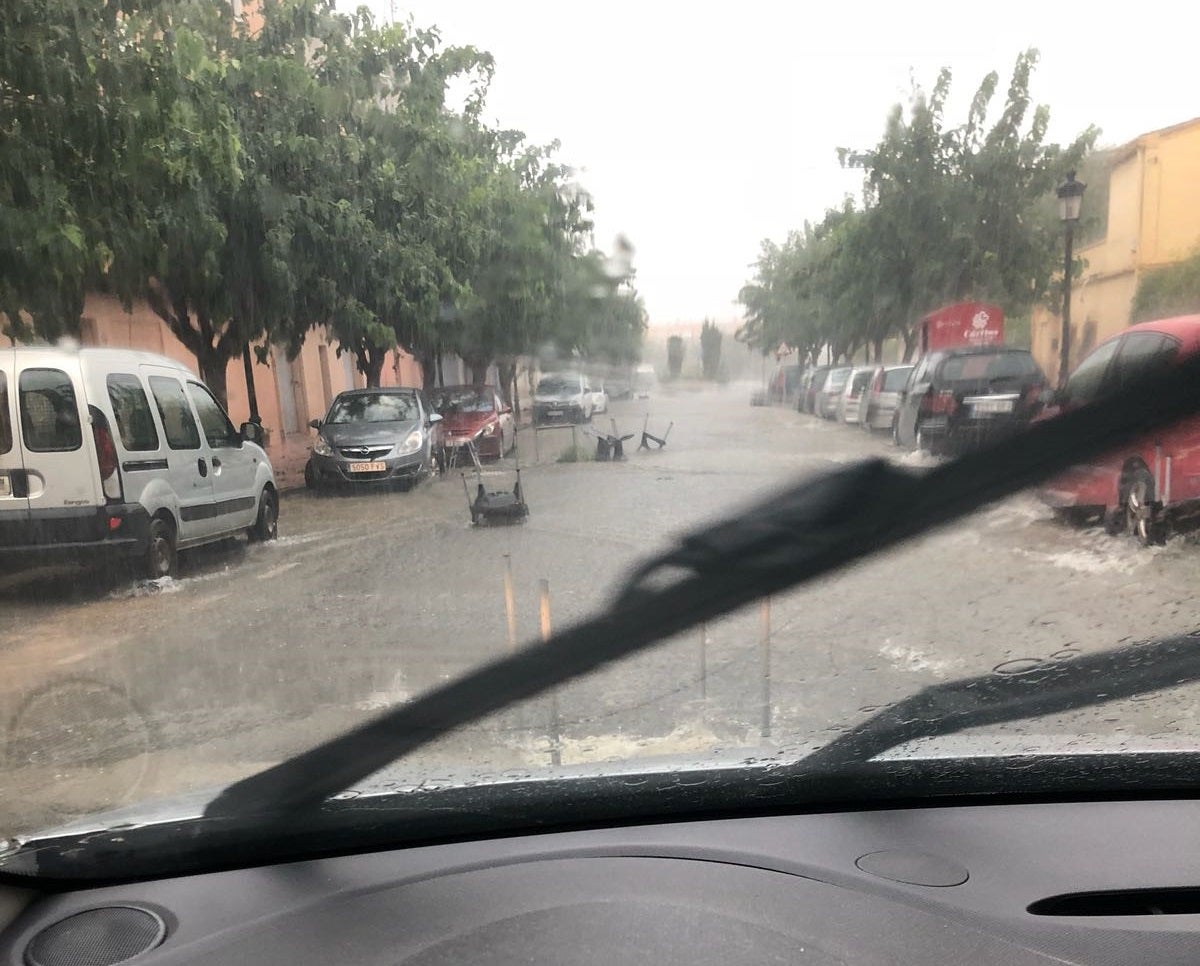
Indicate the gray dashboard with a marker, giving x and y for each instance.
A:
(927, 885)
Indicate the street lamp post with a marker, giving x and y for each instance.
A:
(1070, 201)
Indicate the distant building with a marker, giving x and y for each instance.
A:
(1153, 220)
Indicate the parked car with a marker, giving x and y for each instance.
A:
(563, 397)
(1146, 485)
(599, 398)
(830, 392)
(850, 402)
(114, 454)
(883, 396)
(645, 381)
(618, 387)
(475, 414)
(375, 436)
(807, 403)
(958, 398)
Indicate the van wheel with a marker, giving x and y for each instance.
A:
(160, 556)
(266, 527)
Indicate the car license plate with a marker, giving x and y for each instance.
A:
(367, 467)
(5, 485)
(554, 412)
(991, 407)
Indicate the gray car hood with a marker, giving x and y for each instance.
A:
(368, 434)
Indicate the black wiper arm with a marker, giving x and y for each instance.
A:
(1049, 688)
(801, 533)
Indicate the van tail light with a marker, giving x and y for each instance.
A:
(106, 457)
(939, 403)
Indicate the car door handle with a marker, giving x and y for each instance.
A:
(202, 466)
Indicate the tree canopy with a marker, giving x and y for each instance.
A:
(948, 212)
(250, 184)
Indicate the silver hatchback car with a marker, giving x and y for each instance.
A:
(882, 397)
(375, 436)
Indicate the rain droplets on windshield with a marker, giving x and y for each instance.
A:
(238, 240)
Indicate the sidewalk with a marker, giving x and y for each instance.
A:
(288, 457)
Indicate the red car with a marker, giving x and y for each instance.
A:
(1142, 487)
(475, 413)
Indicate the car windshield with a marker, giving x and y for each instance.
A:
(251, 250)
(375, 407)
(450, 402)
(557, 386)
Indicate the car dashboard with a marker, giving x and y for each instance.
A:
(1079, 882)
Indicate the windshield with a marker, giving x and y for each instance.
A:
(450, 402)
(240, 239)
(379, 407)
(558, 386)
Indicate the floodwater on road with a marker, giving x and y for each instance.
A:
(116, 692)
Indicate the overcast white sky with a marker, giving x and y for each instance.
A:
(699, 135)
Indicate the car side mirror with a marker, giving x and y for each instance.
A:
(315, 423)
(252, 433)
(434, 418)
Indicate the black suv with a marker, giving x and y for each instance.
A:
(958, 398)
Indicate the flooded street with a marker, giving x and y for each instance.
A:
(124, 692)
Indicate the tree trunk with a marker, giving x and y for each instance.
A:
(425, 360)
(508, 383)
(213, 369)
(370, 363)
(910, 343)
(478, 365)
(878, 350)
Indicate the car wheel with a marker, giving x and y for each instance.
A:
(161, 557)
(925, 444)
(1141, 517)
(266, 527)
(310, 476)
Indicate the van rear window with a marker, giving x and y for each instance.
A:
(988, 365)
(5, 419)
(132, 410)
(49, 412)
(896, 379)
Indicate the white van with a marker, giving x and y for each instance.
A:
(110, 452)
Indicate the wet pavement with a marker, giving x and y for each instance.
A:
(114, 692)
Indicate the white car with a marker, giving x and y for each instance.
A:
(111, 453)
(563, 397)
(599, 399)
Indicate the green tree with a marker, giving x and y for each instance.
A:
(710, 349)
(675, 349)
(65, 116)
(959, 212)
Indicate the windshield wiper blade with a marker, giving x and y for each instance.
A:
(1052, 687)
(805, 531)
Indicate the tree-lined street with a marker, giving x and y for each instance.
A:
(122, 693)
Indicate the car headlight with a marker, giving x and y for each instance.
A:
(321, 447)
(488, 430)
(411, 444)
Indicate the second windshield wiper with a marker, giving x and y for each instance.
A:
(801, 533)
